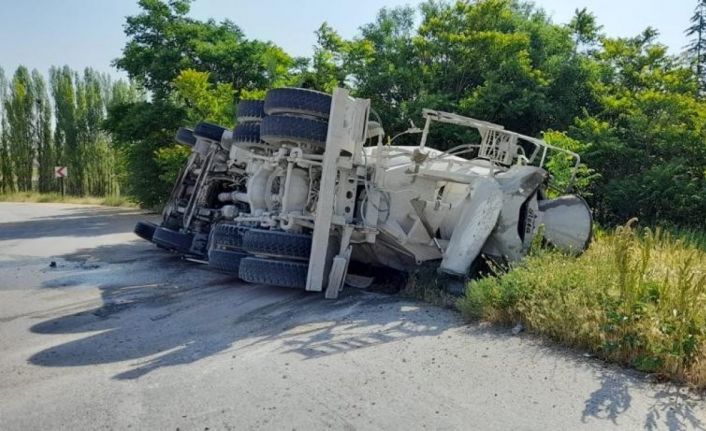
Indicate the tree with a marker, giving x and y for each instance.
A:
(384, 65)
(42, 129)
(500, 60)
(648, 138)
(163, 43)
(696, 49)
(66, 144)
(203, 100)
(96, 154)
(139, 129)
(20, 108)
(7, 178)
(585, 28)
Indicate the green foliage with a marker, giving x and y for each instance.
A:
(648, 141)
(140, 129)
(585, 28)
(696, 49)
(80, 106)
(629, 108)
(634, 297)
(170, 160)
(163, 41)
(43, 134)
(195, 70)
(561, 166)
(7, 177)
(204, 101)
(19, 108)
(63, 93)
(498, 60)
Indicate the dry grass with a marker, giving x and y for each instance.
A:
(112, 201)
(636, 297)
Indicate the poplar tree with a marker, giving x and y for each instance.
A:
(20, 114)
(96, 152)
(696, 49)
(7, 179)
(65, 133)
(43, 134)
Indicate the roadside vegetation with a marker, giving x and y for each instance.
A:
(636, 297)
(111, 201)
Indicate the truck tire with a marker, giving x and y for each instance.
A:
(145, 230)
(247, 132)
(250, 110)
(199, 245)
(185, 137)
(226, 260)
(173, 240)
(298, 101)
(227, 237)
(209, 131)
(277, 244)
(274, 272)
(277, 130)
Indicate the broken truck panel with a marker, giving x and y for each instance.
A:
(316, 178)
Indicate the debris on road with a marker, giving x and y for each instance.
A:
(518, 328)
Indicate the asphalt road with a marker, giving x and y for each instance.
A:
(121, 335)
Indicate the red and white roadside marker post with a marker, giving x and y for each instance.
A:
(61, 172)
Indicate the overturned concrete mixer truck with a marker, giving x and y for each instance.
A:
(308, 182)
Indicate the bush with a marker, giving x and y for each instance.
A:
(635, 297)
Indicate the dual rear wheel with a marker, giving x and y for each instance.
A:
(261, 256)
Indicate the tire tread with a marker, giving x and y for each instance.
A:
(273, 272)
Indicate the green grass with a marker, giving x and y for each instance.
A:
(636, 297)
(113, 201)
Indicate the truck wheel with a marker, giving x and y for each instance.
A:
(209, 131)
(250, 110)
(173, 240)
(185, 137)
(277, 244)
(172, 222)
(145, 230)
(227, 236)
(247, 132)
(297, 101)
(199, 245)
(226, 260)
(274, 272)
(277, 130)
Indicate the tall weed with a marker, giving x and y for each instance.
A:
(637, 297)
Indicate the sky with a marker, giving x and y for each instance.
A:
(81, 33)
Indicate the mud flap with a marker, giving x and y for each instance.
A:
(337, 275)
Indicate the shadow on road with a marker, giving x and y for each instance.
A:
(673, 406)
(159, 311)
(89, 221)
